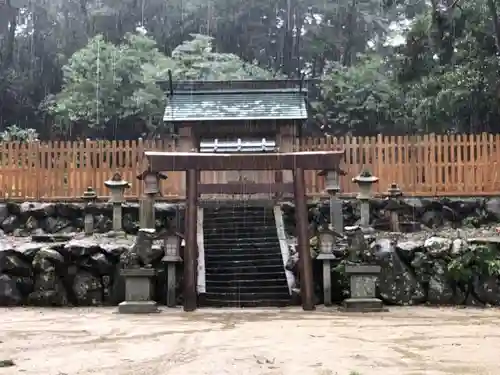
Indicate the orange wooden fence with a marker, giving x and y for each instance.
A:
(428, 165)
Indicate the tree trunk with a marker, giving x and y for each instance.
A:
(350, 24)
(8, 54)
(494, 18)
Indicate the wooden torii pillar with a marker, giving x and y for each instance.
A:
(192, 163)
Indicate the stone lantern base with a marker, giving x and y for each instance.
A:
(138, 292)
(363, 280)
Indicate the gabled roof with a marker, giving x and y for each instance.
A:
(236, 100)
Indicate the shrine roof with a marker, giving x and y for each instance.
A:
(236, 100)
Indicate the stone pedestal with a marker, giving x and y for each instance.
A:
(88, 224)
(89, 196)
(117, 217)
(171, 261)
(395, 221)
(365, 212)
(363, 280)
(336, 215)
(138, 283)
(147, 212)
(327, 276)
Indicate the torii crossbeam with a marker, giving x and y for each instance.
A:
(192, 163)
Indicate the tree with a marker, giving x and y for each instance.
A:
(446, 73)
(111, 90)
(361, 100)
(107, 86)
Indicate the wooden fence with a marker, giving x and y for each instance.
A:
(429, 165)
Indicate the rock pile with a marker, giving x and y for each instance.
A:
(45, 261)
(415, 213)
(439, 270)
(445, 267)
(30, 218)
(63, 271)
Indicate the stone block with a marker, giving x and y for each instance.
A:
(138, 291)
(138, 307)
(363, 279)
(363, 305)
(363, 286)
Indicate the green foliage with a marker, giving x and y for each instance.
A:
(82, 64)
(478, 260)
(15, 133)
(106, 84)
(196, 60)
(360, 99)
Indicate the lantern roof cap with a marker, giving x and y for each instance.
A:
(146, 172)
(352, 228)
(116, 181)
(324, 172)
(329, 229)
(326, 256)
(394, 190)
(147, 230)
(365, 177)
(89, 194)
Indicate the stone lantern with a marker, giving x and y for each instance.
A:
(362, 275)
(326, 242)
(151, 190)
(117, 187)
(394, 206)
(332, 187)
(89, 197)
(365, 181)
(172, 245)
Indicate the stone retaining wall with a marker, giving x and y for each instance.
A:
(60, 266)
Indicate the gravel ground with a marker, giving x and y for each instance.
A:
(404, 341)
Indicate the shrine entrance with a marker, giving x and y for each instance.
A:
(242, 242)
(194, 163)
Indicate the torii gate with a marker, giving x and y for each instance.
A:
(192, 163)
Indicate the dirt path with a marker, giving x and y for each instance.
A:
(405, 341)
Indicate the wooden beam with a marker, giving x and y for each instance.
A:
(190, 249)
(237, 187)
(305, 261)
(182, 161)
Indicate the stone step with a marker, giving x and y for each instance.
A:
(243, 282)
(235, 237)
(233, 276)
(247, 228)
(250, 227)
(278, 289)
(261, 216)
(243, 262)
(261, 247)
(239, 255)
(215, 249)
(264, 220)
(244, 296)
(230, 264)
(238, 211)
(273, 302)
(238, 234)
(231, 268)
(241, 216)
(218, 247)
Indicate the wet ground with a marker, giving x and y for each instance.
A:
(404, 341)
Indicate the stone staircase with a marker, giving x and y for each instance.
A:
(243, 260)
